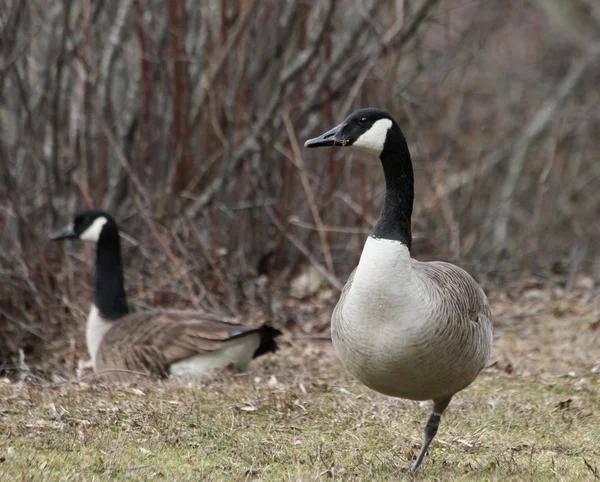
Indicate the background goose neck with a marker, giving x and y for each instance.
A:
(111, 299)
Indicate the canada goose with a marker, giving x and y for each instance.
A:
(158, 344)
(408, 329)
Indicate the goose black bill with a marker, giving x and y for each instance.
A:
(332, 137)
(66, 233)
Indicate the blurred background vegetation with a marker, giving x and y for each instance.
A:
(186, 119)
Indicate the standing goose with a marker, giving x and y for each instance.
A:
(405, 328)
(158, 344)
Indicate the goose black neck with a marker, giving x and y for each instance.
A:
(394, 220)
(111, 299)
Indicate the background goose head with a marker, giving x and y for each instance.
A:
(371, 130)
(99, 227)
(91, 225)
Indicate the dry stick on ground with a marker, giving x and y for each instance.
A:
(296, 158)
(95, 375)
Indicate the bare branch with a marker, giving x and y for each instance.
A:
(536, 127)
(215, 69)
(296, 158)
(304, 250)
(576, 18)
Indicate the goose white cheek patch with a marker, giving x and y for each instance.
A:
(93, 232)
(373, 140)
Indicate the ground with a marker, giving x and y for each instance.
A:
(533, 414)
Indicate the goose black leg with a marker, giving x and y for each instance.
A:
(431, 429)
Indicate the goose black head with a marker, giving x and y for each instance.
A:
(365, 129)
(89, 225)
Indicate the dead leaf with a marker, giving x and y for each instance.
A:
(249, 408)
(565, 404)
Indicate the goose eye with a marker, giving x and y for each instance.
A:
(362, 121)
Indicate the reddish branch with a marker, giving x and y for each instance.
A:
(145, 67)
(185, 165)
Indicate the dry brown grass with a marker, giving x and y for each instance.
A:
(532, 415)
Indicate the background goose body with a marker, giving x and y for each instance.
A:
(171, 343)
(158, 343)
(409, 329)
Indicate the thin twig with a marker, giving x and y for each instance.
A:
(304, 250)
(296, 158)
(176, 265)
(119, 153)
(532, 132)
(326, 228)
(215, 69)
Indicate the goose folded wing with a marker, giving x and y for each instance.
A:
(152, 344)
(197, 335)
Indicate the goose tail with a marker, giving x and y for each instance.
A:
(267, 340)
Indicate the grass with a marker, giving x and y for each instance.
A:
(533, 415)
(504, 427)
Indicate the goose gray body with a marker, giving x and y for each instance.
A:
(409, 329)
(399, 331)
(159, 343)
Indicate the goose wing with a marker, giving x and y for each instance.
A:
(457, 293)
(151, 342)
(336, 317)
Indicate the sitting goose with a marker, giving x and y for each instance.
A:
(161, 343)
(408, 329)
